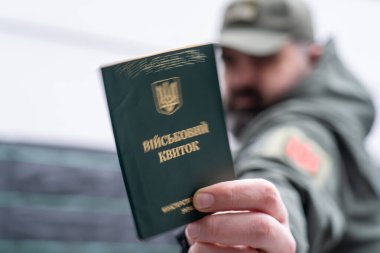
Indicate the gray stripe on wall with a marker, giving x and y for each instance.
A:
(38, 178)
(74, 226)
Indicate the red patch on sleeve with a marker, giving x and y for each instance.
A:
(303, 155)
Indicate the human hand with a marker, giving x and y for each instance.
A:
(249, 217)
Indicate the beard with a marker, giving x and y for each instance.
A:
(242, 106)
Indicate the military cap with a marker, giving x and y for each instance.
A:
(262, 27)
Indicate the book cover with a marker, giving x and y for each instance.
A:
(168, 123)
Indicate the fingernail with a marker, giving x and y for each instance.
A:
(203, 200)
(193, 230)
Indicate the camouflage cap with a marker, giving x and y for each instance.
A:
(262, 27)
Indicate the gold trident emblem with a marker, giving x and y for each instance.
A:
(167, 95)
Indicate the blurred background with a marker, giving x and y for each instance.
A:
(54, 119)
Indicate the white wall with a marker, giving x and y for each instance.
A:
(50, 53)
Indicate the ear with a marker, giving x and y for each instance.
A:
(315, 52)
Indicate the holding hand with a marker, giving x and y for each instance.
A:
(249, 217)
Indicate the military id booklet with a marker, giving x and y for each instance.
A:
(168, 123)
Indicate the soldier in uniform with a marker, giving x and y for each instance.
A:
(306, 184)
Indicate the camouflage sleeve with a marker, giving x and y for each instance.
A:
(303, 161)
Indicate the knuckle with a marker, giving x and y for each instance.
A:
(262, 228)
(272, 198)
(230, 193)
(269, 193)
(211, 225)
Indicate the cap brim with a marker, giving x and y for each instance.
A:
(252, 41)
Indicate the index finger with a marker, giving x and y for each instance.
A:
(248, 194)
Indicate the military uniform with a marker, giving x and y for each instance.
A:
(310, 145)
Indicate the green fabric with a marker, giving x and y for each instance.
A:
(332, 108)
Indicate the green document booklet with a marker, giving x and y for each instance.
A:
(170, 133)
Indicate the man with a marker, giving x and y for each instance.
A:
(301, 118)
